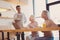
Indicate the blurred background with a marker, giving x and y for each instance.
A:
(30, 7)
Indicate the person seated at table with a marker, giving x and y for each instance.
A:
(33, 24)
(49, 23)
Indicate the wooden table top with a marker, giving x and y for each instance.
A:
(32, 29)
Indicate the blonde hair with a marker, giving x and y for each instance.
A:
(32, 16)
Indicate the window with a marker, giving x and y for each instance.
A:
(55, 13)
(40, 5)
(50, 1)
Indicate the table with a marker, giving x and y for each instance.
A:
(28, 30)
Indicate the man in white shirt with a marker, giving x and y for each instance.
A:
(19, 19)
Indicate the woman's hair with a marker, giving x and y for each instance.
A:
(32, 16)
